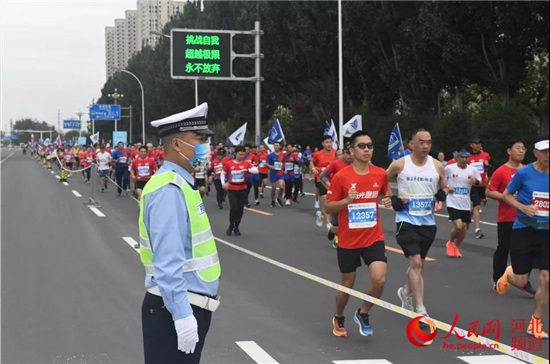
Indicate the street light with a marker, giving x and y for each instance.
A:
(79, 114)
(196, 81)
(115, 96)
(142, 104)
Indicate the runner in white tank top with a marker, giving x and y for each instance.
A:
(419, 176)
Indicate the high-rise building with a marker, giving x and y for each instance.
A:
(131, 34)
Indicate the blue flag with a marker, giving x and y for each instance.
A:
(395, 143)
(276, 133)
(326, 131)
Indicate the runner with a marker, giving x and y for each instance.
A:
(291, 158)
(354, 194)
(319, 162)
(253, 180)
(307, 161)
(142, 170)
(103, 160)
(120, 159)
(298, 181)
(87, 157)
(460, 179)
(343, 159)
(480, 161)
(217, 167)
(276, 163)
(236, 171)
(506, 213)
(262, 168)
(529, 246)
(418, 178)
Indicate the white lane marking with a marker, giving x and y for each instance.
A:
(56, 176)
(97, 212)
(492, 344)
(489, 359)
(66, 183)
(256, 352)
(362, 361)
(7, 157)
(305, 193)
(53, 173)
(131, 242)
(76, 193)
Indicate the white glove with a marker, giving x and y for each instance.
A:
(188, 335)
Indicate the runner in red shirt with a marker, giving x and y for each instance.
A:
(506, 213)
(237, 171)
(480, 161)
(253, 179)
(217, 167)
(87, 157)
(319, 162)
(263, 170)
(354, 194)
(142, 170)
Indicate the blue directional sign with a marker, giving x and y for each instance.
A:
(120, 136)
(105, 112)
(71, 124)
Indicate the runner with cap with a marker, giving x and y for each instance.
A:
(177, 247)
(479, 159)
(276, 164)
(527, 192)
(460, 179)
(142, 169)
(506, 213)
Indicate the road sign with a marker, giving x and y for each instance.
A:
(200, 53)
(105, 112)
(71, 124)
(81, 141)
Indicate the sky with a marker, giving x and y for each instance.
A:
(52, 56)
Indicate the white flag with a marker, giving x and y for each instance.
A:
(270, 146)
(94, 138)
(354, 124)
(238, 136)
(333, 134)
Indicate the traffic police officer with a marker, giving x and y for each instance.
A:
(177, 247)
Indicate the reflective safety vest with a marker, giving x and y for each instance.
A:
(204, 259)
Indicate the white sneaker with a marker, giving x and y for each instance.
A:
(317, 204)
(329, 225)
(406, 301)
(319, 218)
(288, 202)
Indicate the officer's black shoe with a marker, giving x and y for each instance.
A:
(237, 231)
(229, 231)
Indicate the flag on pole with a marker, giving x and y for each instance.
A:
(395, 143)
(326, 131)
(354, 124)
(276, 133)
(94, 138)
(58, 141)
(238, 136)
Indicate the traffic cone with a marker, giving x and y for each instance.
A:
(62, 175)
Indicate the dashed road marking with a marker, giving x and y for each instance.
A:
(257, 354)
(97, 212)
(76, 193)
(131, 242)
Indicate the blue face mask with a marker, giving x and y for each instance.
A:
(201, 154)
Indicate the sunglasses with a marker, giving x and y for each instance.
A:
(364, 145)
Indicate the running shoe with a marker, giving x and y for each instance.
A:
(256, 203)
(318, 218)
(529, 290)
(535, 329)
(494, 285)
(288, 202)
(272, 203)
(316, 204)
(330, 235)
(478, 234)
(502, 284)
(262, 195)
(406, 300)
(457, 252)
(421, 311)
(247, 205)
(280, 202)
(338, 328)
(450, 249)
(362, 319)
(220, 206)
(302, 194)
(335, 242)
(102, 190)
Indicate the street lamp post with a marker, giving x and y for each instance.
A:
(142, 104)
(79, 114)
(115, 96)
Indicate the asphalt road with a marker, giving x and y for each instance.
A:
(72, 286)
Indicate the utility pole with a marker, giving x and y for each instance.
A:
(79, 114)
(59, 121)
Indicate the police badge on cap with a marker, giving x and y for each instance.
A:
(190, 120)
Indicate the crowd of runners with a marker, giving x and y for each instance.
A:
(350, 189)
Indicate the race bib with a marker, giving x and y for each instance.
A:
(237, 176)
(296, 169)
(421, 205)
(289, 166)
(143, 171)
(461, 191)
(479, 166)
(102, 160)
(540, 199)
(278, 166)
(89, 159)
(122, 160)
(361, 215)
(68, 158)
(218, 169)
(262, 164)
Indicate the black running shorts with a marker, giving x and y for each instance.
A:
(477, 194)
(529, 250)
(140, 185)
(456, 214)
(415, 240)
(350, 259)
(322, 188)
